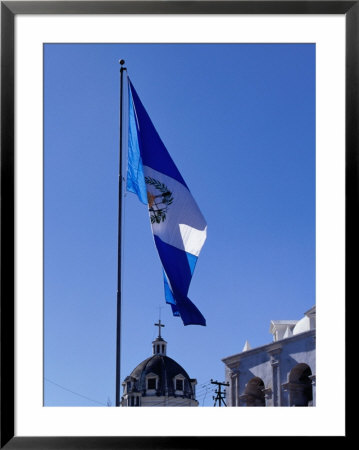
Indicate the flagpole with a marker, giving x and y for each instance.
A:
(119, 254)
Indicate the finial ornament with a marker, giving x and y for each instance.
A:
(122, 62)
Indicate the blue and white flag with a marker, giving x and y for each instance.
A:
(178, 227)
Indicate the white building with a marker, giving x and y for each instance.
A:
(159, 381)
(281, 373)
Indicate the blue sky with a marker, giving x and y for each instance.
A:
(239, 122)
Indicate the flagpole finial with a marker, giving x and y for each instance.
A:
(122, 62)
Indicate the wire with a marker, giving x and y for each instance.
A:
(204, 398)
(200, 395)
(73, 392)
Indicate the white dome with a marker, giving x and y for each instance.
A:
(302, 325)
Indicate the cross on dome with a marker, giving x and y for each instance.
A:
(159, 325)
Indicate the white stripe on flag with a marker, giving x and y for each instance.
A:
(183, 226)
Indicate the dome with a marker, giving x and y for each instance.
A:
(166, 372)
(306, 323)
(302, 325)
(159, 380)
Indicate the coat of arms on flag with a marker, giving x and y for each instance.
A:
(158, 203)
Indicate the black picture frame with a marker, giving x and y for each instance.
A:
(9, 9)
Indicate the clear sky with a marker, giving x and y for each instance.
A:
(239, 122)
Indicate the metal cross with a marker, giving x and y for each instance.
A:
(159, 325)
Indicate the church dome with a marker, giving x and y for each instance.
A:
(159, 380)
(161, 375)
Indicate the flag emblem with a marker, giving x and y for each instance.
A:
(158, 203)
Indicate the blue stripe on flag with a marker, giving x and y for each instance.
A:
(169, 297)
(179, 266)
(154, 153)
(135, 176)
(192, 259)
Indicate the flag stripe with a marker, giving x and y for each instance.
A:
(184, 227)
(176, 265)
(135, 176)
(154, 153)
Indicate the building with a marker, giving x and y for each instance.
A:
(281, 373)
(159, 380)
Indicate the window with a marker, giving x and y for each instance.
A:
(179, 385)
(134, 401)
(151, 383)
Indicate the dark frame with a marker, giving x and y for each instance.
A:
(8, 11)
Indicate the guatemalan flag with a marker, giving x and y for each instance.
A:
(178, 227)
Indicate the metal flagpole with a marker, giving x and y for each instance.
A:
(119, 254)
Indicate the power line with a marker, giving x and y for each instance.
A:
(205, 395)
(73, 392)
(200, 395)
